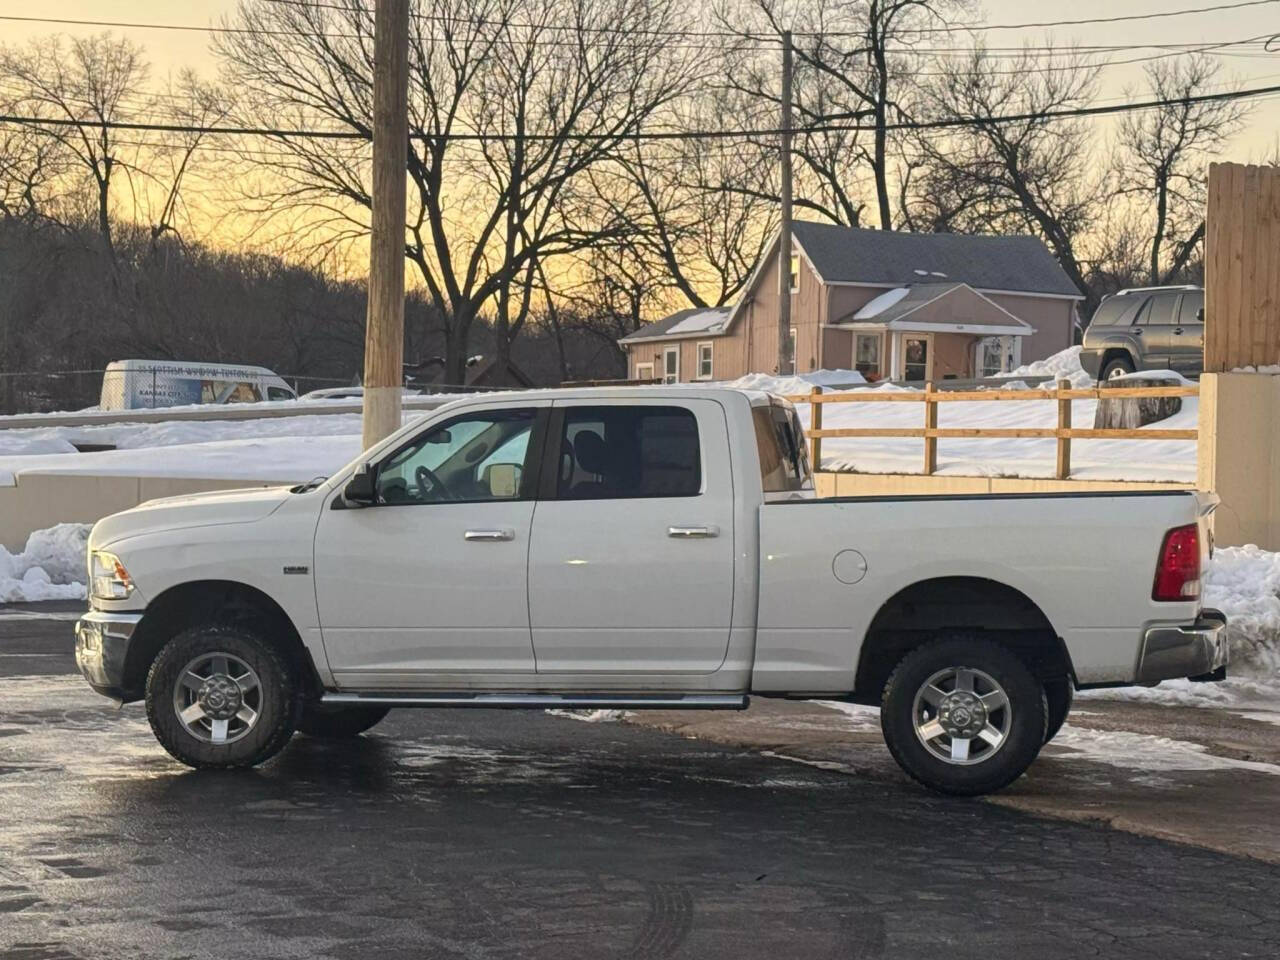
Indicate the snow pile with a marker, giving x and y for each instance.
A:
(50, 567)
(800, 383)
(1244, 583)
(1062, 365)
(590, 716)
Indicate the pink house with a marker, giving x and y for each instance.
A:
(902, 306)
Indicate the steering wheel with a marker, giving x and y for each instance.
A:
(430, 486)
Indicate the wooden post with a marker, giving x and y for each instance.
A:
(786, 358)
(1064, 423)
(384, 324)
(1242, 268)
(815, 423)
(930, 423)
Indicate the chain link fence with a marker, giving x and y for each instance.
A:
(147, 386)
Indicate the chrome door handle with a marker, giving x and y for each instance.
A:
(692, 533)
(489, 536)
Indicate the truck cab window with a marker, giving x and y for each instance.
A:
(624, 452)
(472, 458)
(784, 460)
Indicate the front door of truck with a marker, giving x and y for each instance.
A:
(432, 578)
(631, 561)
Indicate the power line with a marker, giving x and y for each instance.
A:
(973, 26)
(978, 26)
(950, 123)
(276, 32)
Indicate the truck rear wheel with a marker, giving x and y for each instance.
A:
(338, 723)
(221, 696)
(963, 716)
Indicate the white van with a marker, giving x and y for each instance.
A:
(144, 384)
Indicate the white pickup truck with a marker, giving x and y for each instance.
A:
(654, 547)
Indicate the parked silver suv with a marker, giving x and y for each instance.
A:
(1146, 328)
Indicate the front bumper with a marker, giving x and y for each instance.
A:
(102, 647)
(1091, 361)
(1196, 651)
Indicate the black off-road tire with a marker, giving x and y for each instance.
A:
(339, 723)
(1059, 695)
(1022, 743)
(279, 704)
(1121, 364)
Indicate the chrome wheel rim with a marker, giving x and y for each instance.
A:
(1117, 372)
(218, 698)
(962, 715)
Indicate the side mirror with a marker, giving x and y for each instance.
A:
(1200, 315)
(359, 490)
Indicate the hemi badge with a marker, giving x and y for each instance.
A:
(297, 570)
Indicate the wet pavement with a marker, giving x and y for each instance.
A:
(494, 834)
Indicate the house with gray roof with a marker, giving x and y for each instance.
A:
(903, 306)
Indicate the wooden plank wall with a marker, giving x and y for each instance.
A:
(1242, 267)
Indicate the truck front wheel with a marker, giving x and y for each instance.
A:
(963, 716)
(221, 696)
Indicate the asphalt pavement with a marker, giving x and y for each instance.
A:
(490, 834)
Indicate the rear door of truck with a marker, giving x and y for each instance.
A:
(631, 560)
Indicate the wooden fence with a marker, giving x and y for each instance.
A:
(930, 432)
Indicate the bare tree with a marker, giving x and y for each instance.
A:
(89, 81)
(1162, 155)
(30, 166)
(511, 102)
(999, 175)
(173, 161)
(699, 214)
(854, 62)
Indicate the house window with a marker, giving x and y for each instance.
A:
(791, 351)
(795, 273)
(866, 355)
(671, 365)
(997, 355)
(644, 371)
(915, 365)
(704, 361)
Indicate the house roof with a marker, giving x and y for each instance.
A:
(849, 255)
(693, 322)
(896, 309)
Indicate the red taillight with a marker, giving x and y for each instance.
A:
(1178, 572)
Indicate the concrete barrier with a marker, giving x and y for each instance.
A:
(39, 500)
(208, 411)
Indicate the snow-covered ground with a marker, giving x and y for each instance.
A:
(298, 448)
(1168, 460)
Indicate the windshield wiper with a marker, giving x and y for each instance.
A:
(308, 486)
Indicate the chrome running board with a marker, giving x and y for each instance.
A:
(612, 701)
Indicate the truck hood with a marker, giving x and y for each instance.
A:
(193, 510)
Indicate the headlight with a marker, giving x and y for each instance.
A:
(108, 579)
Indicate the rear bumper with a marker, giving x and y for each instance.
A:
(102, 647)
(1171, 652)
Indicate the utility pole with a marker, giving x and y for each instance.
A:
(384, 323)
(786, 362)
